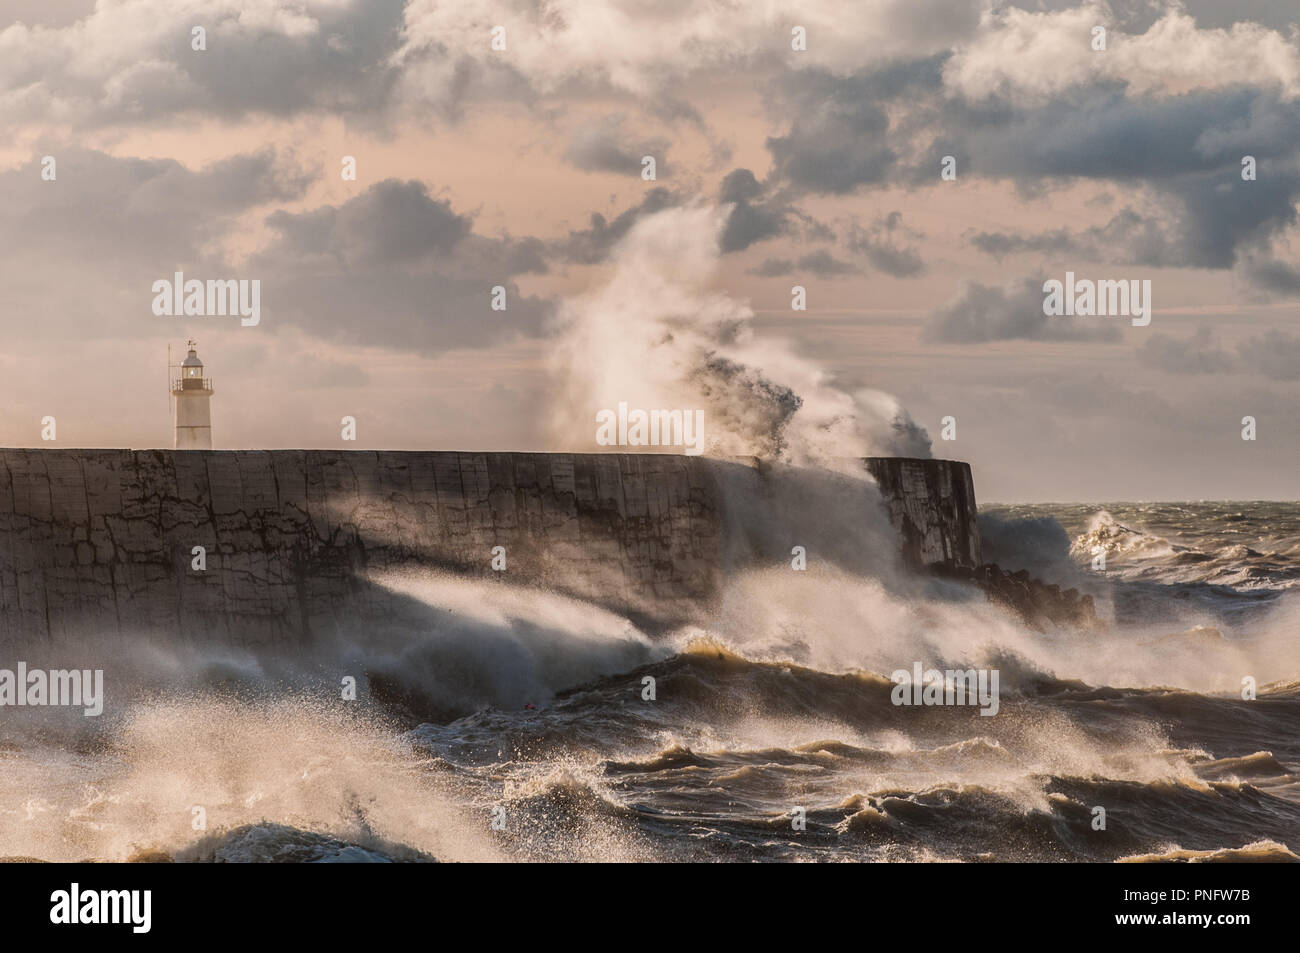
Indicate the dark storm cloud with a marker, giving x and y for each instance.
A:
(893, 126)
(757, 215)
(1000, 244)
(760, 213)
(1214, 14)
(1218, 215)
(1101, 134)
(753, 219)
(1186, 150)
(840, 135)
(1208, 221)
(340, 67)
(395, 267)
(82, 251)
(590, 245)
(391, 221)
(1094, 132)
(1274, 278)
(1208, 14)
(823, 264)
(774, 268)
(837, 140)
(820, 263)
(1128, 238)
(982, 313)
(881, 244)
(604, 145)
(331, 58)
(396, 222)
(163, 210)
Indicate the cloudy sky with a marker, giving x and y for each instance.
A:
(522, 168)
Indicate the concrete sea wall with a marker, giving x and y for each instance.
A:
(100, 543)
(932, 505)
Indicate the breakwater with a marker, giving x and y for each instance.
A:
(255, 548)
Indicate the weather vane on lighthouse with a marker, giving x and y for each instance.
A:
(193, 393)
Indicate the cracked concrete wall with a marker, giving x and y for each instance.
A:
(932, 505)
(97, 543)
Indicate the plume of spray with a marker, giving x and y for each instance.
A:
(656, 336)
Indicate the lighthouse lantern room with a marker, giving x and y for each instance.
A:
(193, 393)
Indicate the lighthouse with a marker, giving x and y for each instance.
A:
(193, 393)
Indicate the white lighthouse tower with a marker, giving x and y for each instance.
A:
(193, 393)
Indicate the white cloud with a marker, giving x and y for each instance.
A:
(1035, 56)
(640, 48)
(134, 57)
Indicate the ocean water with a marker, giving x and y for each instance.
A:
(518, 725)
